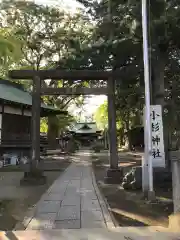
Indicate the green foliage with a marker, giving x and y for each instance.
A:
(101, 116)
(51, 35)
(64, 122)
(10, 50)
(44, 125)
(52, 38)
(121, 41)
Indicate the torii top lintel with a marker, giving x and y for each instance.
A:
(65, 74)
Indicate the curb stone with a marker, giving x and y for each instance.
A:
(106, 209)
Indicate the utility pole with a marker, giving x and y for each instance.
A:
(147, 122)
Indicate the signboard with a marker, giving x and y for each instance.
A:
(158, 155)
(157, 143)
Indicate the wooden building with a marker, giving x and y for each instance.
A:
(85, 133)
(15, 116)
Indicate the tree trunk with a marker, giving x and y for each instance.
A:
(158, 81)
(52, 132)
(121, 137)
(126, 122)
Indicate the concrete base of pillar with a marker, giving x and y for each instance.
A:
(151, 196)
(33, 178)
(114, 176)
(174, 222)
(145, 195)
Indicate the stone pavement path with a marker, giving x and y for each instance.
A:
(74, 209)
(72, 202)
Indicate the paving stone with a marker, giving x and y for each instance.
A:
(67, 224)
(90, 205)
(89, 197)
(60, 183)
(88, 190)
(87, 187)
(88, 194)
(86, 172)
(73, 190)
(70, 193)
(87, 179)
(93, 224)
(53, 197)
(75, 177)
(48, 207)
(42, 221)
(71, 200)
(91, 216)
(57, 189)
(74, 183)
(68, 213)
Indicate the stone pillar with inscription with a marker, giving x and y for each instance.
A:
(114, 173)
(34, 175)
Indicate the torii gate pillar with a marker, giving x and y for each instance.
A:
(114, 173)
(34, 175)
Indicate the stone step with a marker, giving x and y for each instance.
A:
(128, 233)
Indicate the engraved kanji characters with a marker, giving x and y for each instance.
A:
(155, 127)
(156, 153)
(155, 135)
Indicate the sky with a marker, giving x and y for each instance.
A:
(93, 102)
(90, 106)
(70, 5)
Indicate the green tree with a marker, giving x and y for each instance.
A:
(101, 116)
(55, 39)
(10, 50)
(125, 49)
(50, 36)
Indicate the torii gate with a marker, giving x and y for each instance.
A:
(114, 173)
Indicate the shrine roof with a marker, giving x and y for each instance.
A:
(15, 93)
(86, 127)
